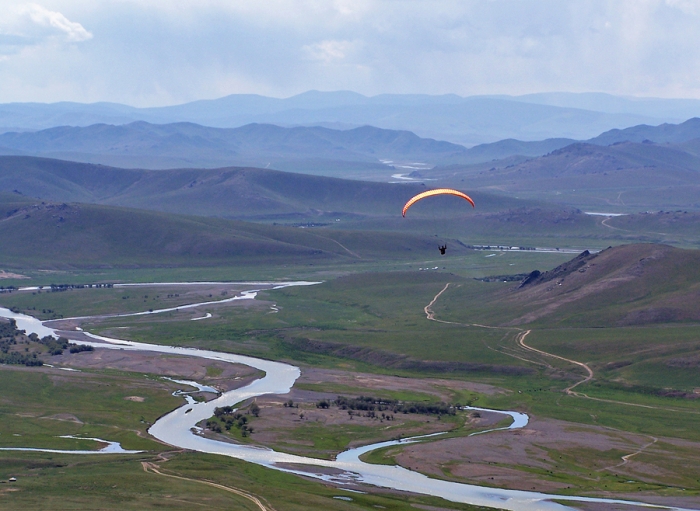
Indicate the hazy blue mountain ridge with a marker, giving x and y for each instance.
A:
(187, 144)
(665, 133)
(623, 177)
(144, 145)
(661, 108)
(465, 120)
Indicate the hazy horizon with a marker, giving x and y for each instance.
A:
(368, 96)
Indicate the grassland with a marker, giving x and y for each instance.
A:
(36, 401)
(70, 482)
(64, 236)
(122, 300)
(469, 264)
(375, 322)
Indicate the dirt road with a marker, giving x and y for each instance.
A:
(153, 468)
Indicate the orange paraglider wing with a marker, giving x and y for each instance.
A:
(438, 191)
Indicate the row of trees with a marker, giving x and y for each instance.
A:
(65, 287)
(374, 404)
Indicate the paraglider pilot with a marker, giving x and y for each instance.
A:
(442, 249)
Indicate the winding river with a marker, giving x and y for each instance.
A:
(178, 428)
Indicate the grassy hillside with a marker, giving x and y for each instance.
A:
(669, 225)
(54, 235)
(231, 192)
(273, 197)
(628, 285)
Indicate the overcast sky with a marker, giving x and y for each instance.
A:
(160, 52)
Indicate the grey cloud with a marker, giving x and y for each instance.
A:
(163, 52)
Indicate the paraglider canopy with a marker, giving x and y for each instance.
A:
(437, 191)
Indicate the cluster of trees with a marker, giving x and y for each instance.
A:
(11, 353)
(8, 339)
(374, 404)
(53, 313)
(518, 277)
(232, 419)
(19, 358)
(7, 289)
(8, 329)
(55, 346)
(79, 348)
(372, 415)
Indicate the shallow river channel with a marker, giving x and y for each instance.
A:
(178, 428)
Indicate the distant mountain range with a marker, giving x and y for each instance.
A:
(664, 133)
(464, 120)
(144, 145)
(622, 177)
(303, 149)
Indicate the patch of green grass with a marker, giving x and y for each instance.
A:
(95, 301)
(387, 455)
(657, 416)
(38, 406)
(630, 355)
(328, 440)
(386, 310)
(118, 482)
(213, 371)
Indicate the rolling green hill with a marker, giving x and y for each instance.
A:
(54, 235)
(657, 224)
(231, 192)
(274, 197)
